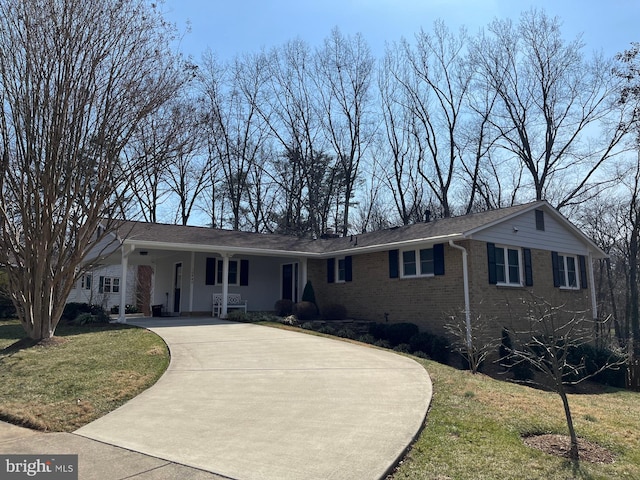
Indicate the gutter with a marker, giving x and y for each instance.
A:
(465, 279)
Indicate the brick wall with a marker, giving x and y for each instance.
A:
(429, 301)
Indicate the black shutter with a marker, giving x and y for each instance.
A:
(331, 270)
(101, 285)
(528, 268)
(244, 273)
(438, 259)
(491, 259)
(393, 264)
(539, 220)
(583, 271)
(210, 272)
(555, 264)
(348, 265)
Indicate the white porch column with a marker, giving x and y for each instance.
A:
(124, 263)
(303, 274)
(191, 280)
(225, 284)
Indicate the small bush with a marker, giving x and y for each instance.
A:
(83, 314)
(378, 330)
(596, 358)
(403, 348)
(284, 307)
(398, 333)
(433, 346)
(346, 333)
(334, 311)
(73, 310)
(308, 295)
(305, 311)
(383, 344)
(521, 370)
(366, 338)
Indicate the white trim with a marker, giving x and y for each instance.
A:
(505, 258)
(465, 282)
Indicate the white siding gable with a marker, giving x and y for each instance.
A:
(521, 231)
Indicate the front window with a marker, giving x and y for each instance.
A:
(568, 271)
(110, 285)
(508, 266)
(341, 270)
(417, 262)
(233, 272)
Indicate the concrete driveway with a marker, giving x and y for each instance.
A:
(252, 402)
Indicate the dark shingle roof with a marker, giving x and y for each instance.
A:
(229, 239)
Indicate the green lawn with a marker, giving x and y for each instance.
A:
(474, 428)
(90, 372)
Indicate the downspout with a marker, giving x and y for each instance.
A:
(465, 281)
(592, 284)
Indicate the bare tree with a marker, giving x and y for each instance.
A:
(551, 100)
(344, 68)
(161, 142)
(549, 344)
(76, 78)
(236, 129)
(438, 86)
(400, 161)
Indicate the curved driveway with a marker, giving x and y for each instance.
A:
(252, 402)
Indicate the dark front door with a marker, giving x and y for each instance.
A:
(177, 286)
(290, 282)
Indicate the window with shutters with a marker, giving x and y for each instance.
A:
(567, 274)
(422, 262)
(238, 272)
(505, 265)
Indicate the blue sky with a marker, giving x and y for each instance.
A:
(231, 27)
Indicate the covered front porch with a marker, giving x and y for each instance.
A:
(185, 280)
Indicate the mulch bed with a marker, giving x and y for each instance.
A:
(561, 444)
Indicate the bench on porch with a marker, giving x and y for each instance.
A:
(234, 300)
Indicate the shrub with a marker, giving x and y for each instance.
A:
(366, 338)
(284, 307)
(398, 333)
(378, 330)
(334, 311)
(403, 348)
(305, 310)
(596, 358)
(235, 315)
(75, 313)
(346, 333)
(521, 370)
(433, 346)
(308, 295)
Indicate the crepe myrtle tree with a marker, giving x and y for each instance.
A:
(76, 78)
(551, 343)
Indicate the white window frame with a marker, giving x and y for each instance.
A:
(84, 284)
(418, 263)
(110, 284)
(563, 271)
(337, 277)
(507, 282)
(218, 272)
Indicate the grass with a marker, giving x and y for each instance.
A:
(475, 426)
(88, 372)
(473, 430)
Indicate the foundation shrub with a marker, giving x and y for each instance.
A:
(334, 311)
(284, 307)
(436, 347)
(305, 311)
(596, 358)
(398, 333)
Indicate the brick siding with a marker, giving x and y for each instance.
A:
(429, 301)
